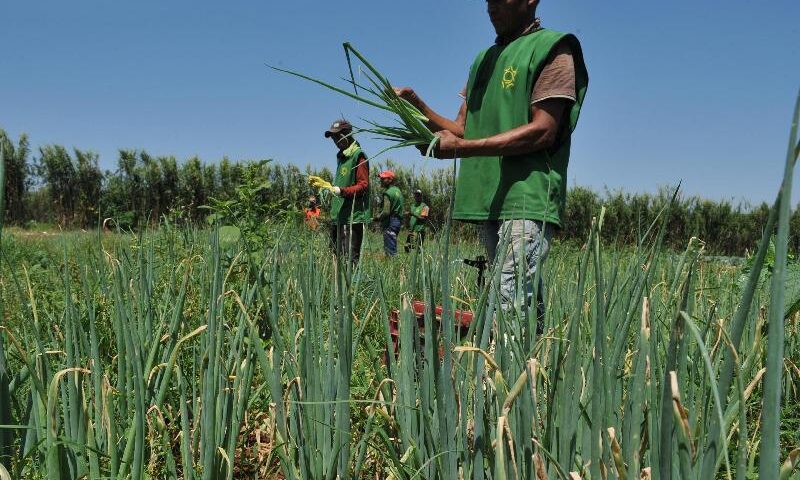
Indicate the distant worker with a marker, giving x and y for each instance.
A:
(312, 213)
(391, 212)
(350, 207)
(418, 220)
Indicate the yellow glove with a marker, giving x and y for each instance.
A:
(322, 184)
(318, 182)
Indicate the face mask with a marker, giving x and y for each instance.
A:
(351, 149)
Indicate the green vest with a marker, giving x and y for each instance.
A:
(415, 225)
(529, 186)
(349, 210)
(395, 203)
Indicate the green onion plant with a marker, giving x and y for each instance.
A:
(409, 127)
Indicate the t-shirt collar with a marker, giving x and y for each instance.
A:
(533, 27)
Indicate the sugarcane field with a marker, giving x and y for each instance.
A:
(485, 240)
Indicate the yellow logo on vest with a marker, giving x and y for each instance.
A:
(509, 77)
(344, 170)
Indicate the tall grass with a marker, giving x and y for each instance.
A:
(128, 381)
(168, 355)
(770, 437)
(6, 436)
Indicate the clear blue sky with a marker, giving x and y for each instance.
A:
(699, 91)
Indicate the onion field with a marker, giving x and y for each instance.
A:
(180, 353)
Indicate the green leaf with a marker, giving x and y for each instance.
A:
(229, 237)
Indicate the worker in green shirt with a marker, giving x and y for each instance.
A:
(391, 212)
(417, 221)
(350, 203)
(513, 130)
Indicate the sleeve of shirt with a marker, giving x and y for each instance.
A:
(557, 79)
(385, 208)
(362, 180)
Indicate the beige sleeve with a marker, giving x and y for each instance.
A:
(557, 79)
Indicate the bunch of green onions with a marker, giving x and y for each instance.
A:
(410, 127)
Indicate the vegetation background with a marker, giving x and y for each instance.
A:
(56, 186)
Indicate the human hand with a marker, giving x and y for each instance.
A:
(409, 95)
(322, 184)
(447, 146)
(318, 182)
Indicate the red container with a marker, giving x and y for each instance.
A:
(463, 319)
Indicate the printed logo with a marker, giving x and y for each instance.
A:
(509, 77)
(343, 171)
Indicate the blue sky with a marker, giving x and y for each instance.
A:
(698, 91)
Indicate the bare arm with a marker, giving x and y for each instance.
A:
(539, 134)
(436, 122)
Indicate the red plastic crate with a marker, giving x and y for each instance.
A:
(463, 319)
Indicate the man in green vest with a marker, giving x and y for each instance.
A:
(418, 219)
(513, 134)
(350, 207)
(391, 212)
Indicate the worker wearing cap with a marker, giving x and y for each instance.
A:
(418, 219)
(521, 104)
(350, 207)
(391, 212)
